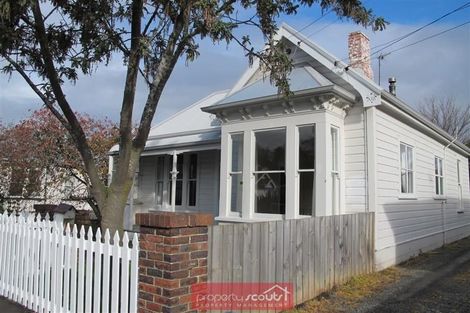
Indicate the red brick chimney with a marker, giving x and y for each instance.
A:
(359, 53)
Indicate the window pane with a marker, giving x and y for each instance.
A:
(270, 150)
(307, 147)
(179, 167)
(270, 193)
(436, 166)
(437, 185)
(237, 152)
(159, 195)
(236, 193)
(334, 148)
(402, 156)
(193, 166)
(458, 172)
(192, 193)
(306, 193)
(179, 192)
(335, 193)
(404, 185)
(160, 167)
(410, 182)
(409, 157)
(441, 179)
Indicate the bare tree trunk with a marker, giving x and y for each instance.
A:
(112, 209)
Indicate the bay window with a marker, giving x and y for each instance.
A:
(269, 173)
(306, 169)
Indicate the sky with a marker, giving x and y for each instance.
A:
(439, 67)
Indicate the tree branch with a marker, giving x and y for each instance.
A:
(165, 67)
(41, 95)
(125, 123)
(76, 131)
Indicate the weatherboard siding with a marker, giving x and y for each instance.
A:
(404, 227)
(355, 176)
(208, 182)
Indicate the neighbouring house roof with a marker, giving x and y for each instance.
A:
(188, 127)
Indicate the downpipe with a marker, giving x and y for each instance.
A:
(444, 202)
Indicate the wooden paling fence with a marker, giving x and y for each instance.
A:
(313, 254)
(51, 268)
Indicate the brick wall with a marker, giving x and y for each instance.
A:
(173, 256)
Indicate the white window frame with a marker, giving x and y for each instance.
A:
(439, 178)
(187, 179)
(231, 173)
(407, 195)
(254, 172)
(299, 171)
(335, 170)
(167, 182)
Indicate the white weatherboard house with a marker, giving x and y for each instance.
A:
(340, 144)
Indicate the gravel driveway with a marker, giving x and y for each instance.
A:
(438, 281)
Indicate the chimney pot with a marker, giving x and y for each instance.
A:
(359, 53)
(392, 87)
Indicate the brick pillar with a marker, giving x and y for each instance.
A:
(173, 256)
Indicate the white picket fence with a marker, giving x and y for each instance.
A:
(47, 267)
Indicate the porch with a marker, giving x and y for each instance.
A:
(177, 181)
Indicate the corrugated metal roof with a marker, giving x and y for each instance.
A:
(299, 79)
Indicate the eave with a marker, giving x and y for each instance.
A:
(311, 95)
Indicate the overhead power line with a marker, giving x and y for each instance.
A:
(429, 37)
(398, 39)
(323, 28)
(466, 5)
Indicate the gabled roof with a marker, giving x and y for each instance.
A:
(300, 78)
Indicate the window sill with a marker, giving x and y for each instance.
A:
(440, 198)
(234, 219)
(460, 212)
(407, 197)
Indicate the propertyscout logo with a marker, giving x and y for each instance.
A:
(242, 296)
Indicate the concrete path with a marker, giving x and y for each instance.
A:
(435, 282)
(7, 306)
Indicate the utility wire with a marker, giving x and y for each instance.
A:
(314, 21)
(310, 24)
(396, 40)
(429, 37)
(323, 28)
